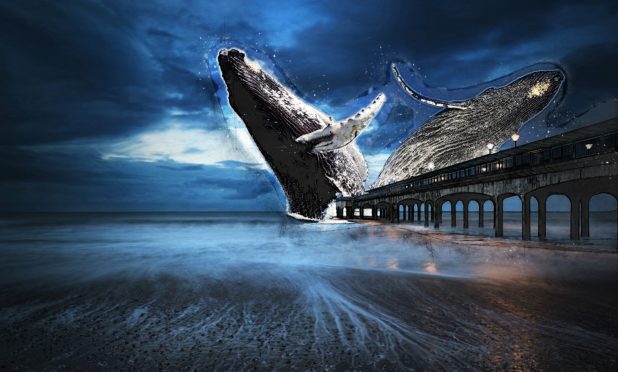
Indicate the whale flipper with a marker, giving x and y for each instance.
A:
(340, 134)
(316, 137)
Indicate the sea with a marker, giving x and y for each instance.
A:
(264, 291)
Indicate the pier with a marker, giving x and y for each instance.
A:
(578, 164)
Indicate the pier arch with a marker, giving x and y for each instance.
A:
(444, 211)
(384, 211)
(487, 206)
(559, 208)
(515, 220)
(602, 210)
(367, 211)
(474, 209)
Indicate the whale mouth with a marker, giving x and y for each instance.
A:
(237, 61)
(231, 53)
(230, 58)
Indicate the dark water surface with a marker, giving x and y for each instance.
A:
(202, 291)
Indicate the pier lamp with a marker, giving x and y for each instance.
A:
(431, 166)
(588, 147)
(490, 146)
(515, 138)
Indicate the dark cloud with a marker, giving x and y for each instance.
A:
(453, 43)
(85, 72)
(78, 181)
(82, 70)
(79, 70)
(22, 166)
(593, 76)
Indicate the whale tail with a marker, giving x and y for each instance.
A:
(420, 97)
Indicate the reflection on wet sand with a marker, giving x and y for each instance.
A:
(393, 264)
(431, 267)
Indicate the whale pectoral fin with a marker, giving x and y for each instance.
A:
(323, 143)
(368, 112)
(315, 136)
(341, 134)
(357, 122)
(301, 139)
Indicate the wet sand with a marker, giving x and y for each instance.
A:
(422, 301)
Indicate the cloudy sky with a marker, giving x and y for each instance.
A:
(112, 105)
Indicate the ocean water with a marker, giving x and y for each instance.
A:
(180, 291)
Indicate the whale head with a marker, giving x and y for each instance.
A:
(499, 112)
(538, 88)
(275, 117)
(289, 112)
(521, 99)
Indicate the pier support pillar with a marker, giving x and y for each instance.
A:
(585, 217)
(574, 218)
(426, 215)
(465, 214)
(437, 210)
(418, 212)
(525, 218)
(542, 200)
(481, 215)
(499, 218)
(453, 214)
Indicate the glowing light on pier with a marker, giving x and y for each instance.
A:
(515, 138)
(490, 147)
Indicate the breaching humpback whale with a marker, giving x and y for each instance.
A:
(337, 135)
(276, 118)
(462, 130)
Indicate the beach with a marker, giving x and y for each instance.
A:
(262, 291)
